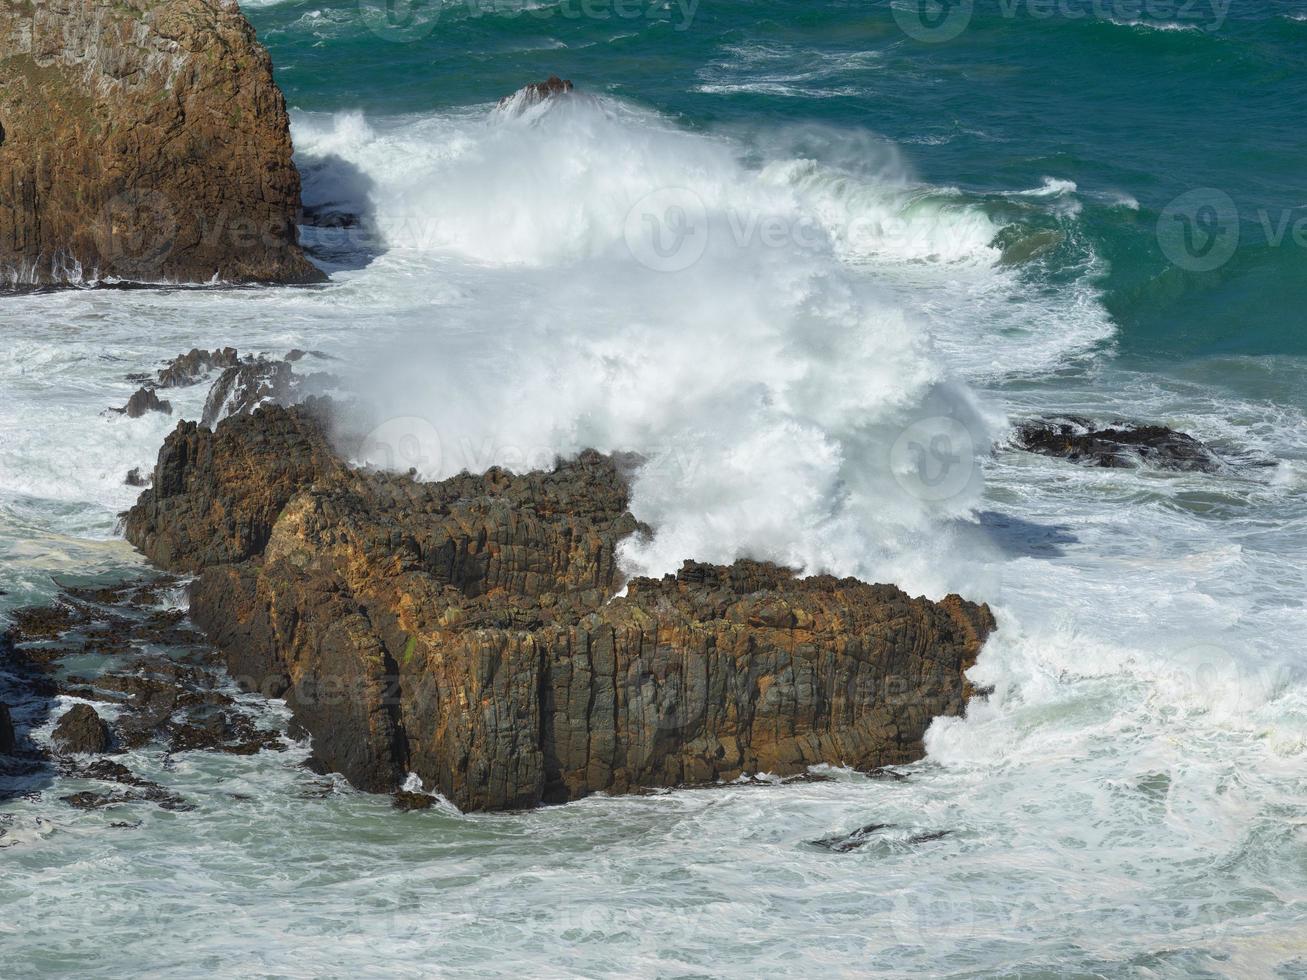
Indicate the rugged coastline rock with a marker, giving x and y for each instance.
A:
(143, 140)
(534, 94)
(81, 730)
(8, 739)
(1118, 446)
(244, 384)
(471, 630)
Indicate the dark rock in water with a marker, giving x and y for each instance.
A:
(535, 93)
(134, 478)
(245, 386)
(864, 835)
(469, 630)
(257, 381)
(190, 368)
(145, 400)
(81, 730)
(403, 800)
(88, 800)
(1122, 445)
(8, 740)
(928, 837)
(41, 622)
(851, 842)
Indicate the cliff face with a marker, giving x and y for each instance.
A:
(142, 140)
(467, 631)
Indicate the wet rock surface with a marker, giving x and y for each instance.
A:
(143, 140)
(81, 731)
(1120, 445)
(8, 740)
(534, 94)
(166, 687)
(145, 400)
(242, 384)
(468, 630)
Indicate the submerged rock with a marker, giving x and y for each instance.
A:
(81, 730)
(468, 630)
(143, 140)
(1122, 445)
(404, 800)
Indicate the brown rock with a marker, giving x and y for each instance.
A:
(466, 630)
(535, 93)
(403, 800)
(145, 400)
(143, 140)
(81, 730)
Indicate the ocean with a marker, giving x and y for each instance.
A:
(775, 247)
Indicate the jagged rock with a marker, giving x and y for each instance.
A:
(134, 478)
(1123, 445)
(81, 730)
(403, 800)
(189, 368)
(145, 400)
(8, 740)
(245, 386)
(143, 140)
(467, 630)
(534, 94)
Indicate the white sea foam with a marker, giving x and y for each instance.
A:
(1137, 769)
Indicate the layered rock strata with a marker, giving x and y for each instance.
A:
(471, 630)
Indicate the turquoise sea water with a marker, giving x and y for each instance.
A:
(1107, 95)
(767, 245)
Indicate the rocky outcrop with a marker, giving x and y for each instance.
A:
(534, 94)
(81, 730)
(8, 739)
(143, 140)
(244, 384)
(1118, 446)
(471, 630)
(145, 400)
